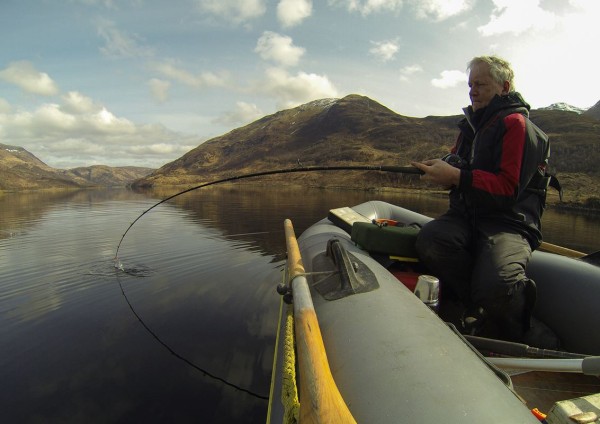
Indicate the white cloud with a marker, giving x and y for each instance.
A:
(517, 16)
(408, 71)
(439, 10)
(564, 54)
(76, 103)
(384, 50)
(160, 149)
(242, 114)
(109, 4)
(4, 106)
(293, 12)
(79, 126)
(294, 90)
(50, 118)
(236, 11)
(159, 89)
(278, 48)
(204, 79)
(436, 10)
(366, 7)
(119, 43)
(79, 145)
(449, 79)
(24, 75)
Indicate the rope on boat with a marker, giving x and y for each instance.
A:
(289, 389)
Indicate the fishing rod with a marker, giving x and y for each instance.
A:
(383, 168)
(396, 169)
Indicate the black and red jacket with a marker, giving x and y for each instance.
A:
(506, 157)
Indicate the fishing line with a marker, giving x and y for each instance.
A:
(119, 266)
(383, 168)
(180, 357)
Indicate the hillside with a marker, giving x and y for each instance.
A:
(349, 131)
(594, 111)
(356, 130)
(102, 175)
(21, 170)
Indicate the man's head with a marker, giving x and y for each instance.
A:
(488, 76)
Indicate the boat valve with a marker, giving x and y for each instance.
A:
(428, 290)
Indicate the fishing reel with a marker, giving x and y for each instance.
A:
(455, 160)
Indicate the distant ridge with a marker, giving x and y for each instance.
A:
(22, 170)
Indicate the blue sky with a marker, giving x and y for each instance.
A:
(141, 82)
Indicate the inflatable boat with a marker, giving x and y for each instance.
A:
(361, 338)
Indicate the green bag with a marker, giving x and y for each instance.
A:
(389, 240)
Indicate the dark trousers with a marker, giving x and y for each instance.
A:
(481, 264)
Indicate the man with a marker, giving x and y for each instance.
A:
(496, 175)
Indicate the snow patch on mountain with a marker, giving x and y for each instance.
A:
(564, 107)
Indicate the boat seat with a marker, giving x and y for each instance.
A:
(392, 240)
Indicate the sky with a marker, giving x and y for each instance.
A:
(142, 82)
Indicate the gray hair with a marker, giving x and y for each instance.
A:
(500, 69)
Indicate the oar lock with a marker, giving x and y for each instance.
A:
(285, 290)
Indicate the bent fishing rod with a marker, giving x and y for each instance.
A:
(382, 168)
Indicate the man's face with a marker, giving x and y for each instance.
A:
(483, 88)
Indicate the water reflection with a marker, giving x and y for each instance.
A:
(203, 271)
(21, 211)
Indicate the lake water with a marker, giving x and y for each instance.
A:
(186, 333)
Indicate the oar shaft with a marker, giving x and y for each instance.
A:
(320, 399)
(564, 251)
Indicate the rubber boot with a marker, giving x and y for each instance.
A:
(537, 334)
(473, 321)
(513, 317)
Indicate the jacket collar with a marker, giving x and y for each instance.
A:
(512, 100)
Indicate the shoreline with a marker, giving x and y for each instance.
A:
(587, 206)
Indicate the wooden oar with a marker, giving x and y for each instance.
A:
(320, 398)
(553, 248)
(591, 258)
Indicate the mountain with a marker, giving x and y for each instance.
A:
(594, 111)
(103, 175)
(356, 130)
(21, 170)
(564, 107)
(349, 131)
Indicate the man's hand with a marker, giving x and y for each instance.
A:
(439, 172)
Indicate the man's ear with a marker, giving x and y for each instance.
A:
(506, 87)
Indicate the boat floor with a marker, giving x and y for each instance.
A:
(541, 389)
(538, 389)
